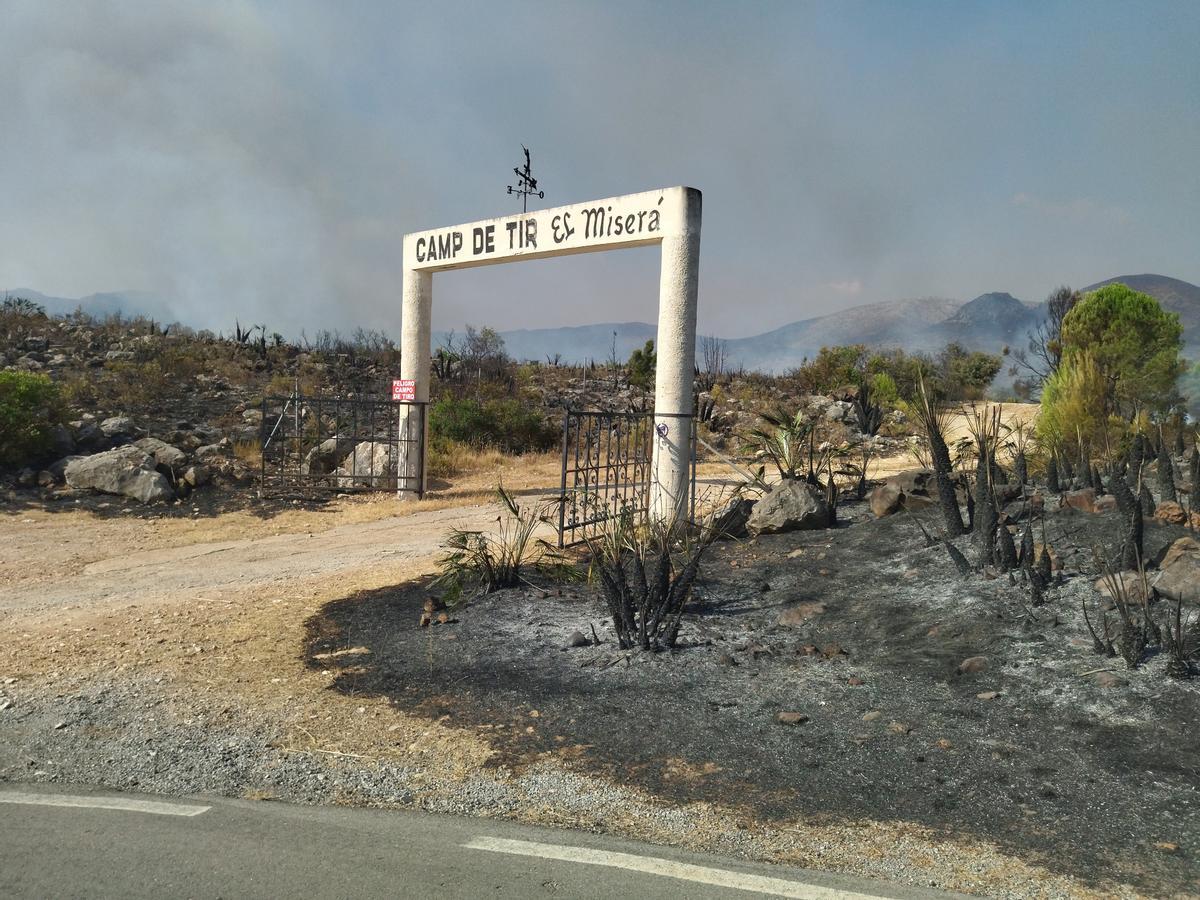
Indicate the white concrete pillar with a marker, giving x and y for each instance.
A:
(415, 353)
(678, 285)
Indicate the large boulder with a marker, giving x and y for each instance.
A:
(911, 489)
(128, 471)
(789, 506)
(165, 456)
(370, 464)
(1179, 572)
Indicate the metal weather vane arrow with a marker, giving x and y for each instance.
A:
(526, 183)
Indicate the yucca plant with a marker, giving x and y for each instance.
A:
(477, 563)
(1138, 629)
(933, 419)
(786, 440)
(984, 428)
(647, 569)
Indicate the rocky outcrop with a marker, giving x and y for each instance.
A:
(128, 471)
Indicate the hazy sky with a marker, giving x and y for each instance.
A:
(261, 160)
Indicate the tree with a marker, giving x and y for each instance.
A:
(716, 360)
(641, 366)
(1134, 343)
(482, 351)
(1044, 355)
(966, 374)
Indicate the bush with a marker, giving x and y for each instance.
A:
(833, 369)
(507, 424)
(30, 406)
(1074, 408)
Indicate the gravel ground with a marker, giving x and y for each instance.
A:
(1061, 786)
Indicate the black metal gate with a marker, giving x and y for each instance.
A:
(607, 470)
(317, 444)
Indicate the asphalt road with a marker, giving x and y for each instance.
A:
(59, 842)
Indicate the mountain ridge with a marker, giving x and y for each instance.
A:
(991, 321)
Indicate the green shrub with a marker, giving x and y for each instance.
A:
(30, 406)
(642, 364)
(507, 424)
(1074, 409)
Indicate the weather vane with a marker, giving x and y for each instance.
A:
(526, 183)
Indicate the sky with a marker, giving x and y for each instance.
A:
(260, 161)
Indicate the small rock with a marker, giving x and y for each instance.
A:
(800, 613)
(1083, 500)
(854, 681)
(987, 695)
(60, 725)
(872, 715)
(899, 727)
(1166, 846)
(792, 718)
(943, 744)
(726, 659)
(577, 639)
(1106, 680)
(972, 665)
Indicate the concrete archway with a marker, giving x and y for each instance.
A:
(669, 217)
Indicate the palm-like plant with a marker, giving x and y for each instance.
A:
(786, 439)
(491, 562)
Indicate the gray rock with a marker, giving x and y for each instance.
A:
(164, 454)
(118, 355)
(62, 442)
(730, 520)
(119, 427)
(128, 471)
(87, 434)
(323, 458)
(210, 451)
(197, 475)
(789, 506)
(369, 464)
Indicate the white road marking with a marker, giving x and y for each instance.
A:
(667, 868)
(154, 807)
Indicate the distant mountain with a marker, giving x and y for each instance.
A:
(127, 303)
(990, 322)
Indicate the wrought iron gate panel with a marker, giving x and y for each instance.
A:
(313, 444)
(606, 469)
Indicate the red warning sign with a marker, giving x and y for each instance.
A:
(404, 389)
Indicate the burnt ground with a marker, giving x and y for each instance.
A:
(1078, 765)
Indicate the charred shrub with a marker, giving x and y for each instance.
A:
(647, 570)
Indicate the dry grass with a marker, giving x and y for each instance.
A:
(248, 452)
